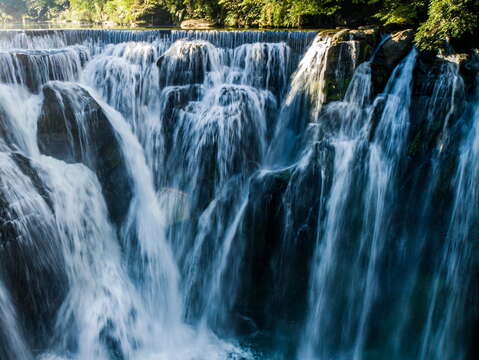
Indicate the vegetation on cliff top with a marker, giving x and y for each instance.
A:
(435, 20)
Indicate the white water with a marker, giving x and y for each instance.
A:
(12, 344)
(248, 191)
(105, 310)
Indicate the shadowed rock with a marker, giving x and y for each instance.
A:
(388, 56)
(349, 48)
(185, 63)
(74, 128)
(469, 67)
(33, 68)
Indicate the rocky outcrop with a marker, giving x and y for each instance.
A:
(33, 68)
(186, 62)
(349, 48)
(389, 55)
(396, 48)
(74, 128)
(468, 67)
(174, 99)
(197, 24)
(438, 96)
(272, 231)
(25, 166)
(367, 36)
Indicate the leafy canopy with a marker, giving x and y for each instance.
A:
(435, 20)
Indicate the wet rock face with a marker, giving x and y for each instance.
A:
(27, 169)
(438, 102)
(389, 55)
(397, 47)
(33, 68)
(367, 36)
(30, 258)
(272, 232)
(5, 136)
(74, 128)
(174, 99)
(349, 48)
(58, 132)
(469, 68)
(185, 63)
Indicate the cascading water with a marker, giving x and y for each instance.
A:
(235, 195)
(457, 261)
(13, 345)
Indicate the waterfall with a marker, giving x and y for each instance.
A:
(455, 267)
(33, 68)
(198, 195)
(13, 345)
(306, 94)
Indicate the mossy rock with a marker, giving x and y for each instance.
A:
(349, 49)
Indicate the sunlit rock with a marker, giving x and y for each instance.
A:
(197, 24)
(389, 55)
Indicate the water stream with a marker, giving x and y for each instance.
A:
(198, 195)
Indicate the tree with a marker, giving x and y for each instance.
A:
(403, 12)
(46, 9)
(14, 8)
(448, 19)
(88, 10)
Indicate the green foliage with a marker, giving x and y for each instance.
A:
(448, 19)
(13, 8)
(37, 9)
(242, 12)
(436, 20)
(277, 13)
(176, 8)
(86, 10)
(404, 12)
(46, 9)
(291, 12)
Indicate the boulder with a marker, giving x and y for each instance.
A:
(185, 63)
(389, 55)
(468, 66)
(279, 243)
(33, 68)
(197, 24)
(438, 95)
(369, 36)
(25, 166)
(74, 128)
(349, 48)
(397, 47)
(174, 99)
